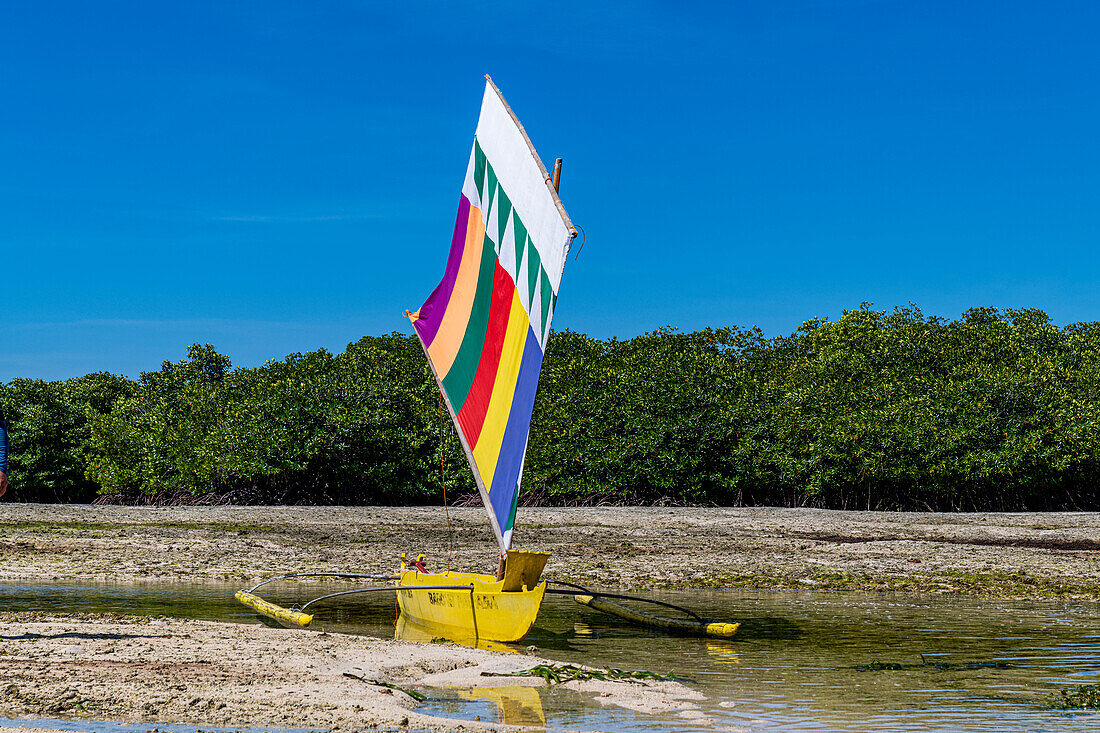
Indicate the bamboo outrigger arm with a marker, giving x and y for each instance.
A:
(357, 576)
(676, 625)
(290, 615)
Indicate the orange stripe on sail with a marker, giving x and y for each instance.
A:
(472, 415)
(453, 327)
(487, 450)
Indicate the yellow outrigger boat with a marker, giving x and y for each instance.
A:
(479, 605)
(484, 330)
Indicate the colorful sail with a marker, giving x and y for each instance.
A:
(484, 327)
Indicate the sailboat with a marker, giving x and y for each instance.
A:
(484, 331)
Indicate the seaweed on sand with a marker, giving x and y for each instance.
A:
(1084, 697)
(561, 673)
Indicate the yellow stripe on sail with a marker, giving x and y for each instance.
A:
(452, 328)
(504, 388)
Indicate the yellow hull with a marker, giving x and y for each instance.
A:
(484, 611)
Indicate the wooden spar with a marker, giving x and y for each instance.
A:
(556, 175)
(534, 153)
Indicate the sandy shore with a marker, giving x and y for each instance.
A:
(156, 670)
(1010, 555)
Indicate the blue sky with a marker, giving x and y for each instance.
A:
(273, 177)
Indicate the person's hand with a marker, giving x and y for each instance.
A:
(3, 483)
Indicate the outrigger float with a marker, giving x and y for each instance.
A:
(484, 331)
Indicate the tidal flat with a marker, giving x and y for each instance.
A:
(1007, 555)
(78, 666)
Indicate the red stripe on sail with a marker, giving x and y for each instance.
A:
(472, 415)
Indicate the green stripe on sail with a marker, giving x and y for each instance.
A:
(479, 174)
(534, 267)
(520, 234)
(547, 293)
(512, 514)
(496, 206)
(495, 203)
(504, 208)
(460, 378)
(490, 190)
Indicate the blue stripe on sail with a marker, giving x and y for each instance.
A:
(506, 477)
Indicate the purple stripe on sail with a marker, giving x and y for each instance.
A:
(431, 313)
(514, 444)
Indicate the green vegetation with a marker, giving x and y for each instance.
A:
(411, 693)
(939, 666)
(997, 410)
(556, 674)
(1084, 697)
(991, 583)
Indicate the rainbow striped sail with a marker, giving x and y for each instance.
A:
(484, 327)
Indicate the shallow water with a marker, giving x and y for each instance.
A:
(794, 665)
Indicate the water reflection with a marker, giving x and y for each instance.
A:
(407, 630)
(515, 705)
(722, 652)
(774, 627)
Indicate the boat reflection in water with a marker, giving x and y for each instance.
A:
(516, 705)
(722, 652)
(408, 630)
